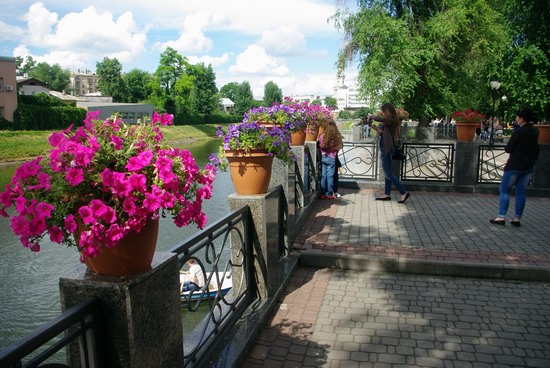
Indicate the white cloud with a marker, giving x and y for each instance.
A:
(8, 32)
(40, 22)
(192, 37)
(255, 60)
(286, 39)
(212, 60)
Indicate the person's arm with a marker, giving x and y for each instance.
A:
(511, 145)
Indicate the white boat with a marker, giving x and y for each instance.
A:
(211, 291)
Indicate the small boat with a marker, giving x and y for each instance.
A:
(209, 292)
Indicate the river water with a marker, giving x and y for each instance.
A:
(29, 286)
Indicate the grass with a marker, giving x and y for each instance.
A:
(23, 145)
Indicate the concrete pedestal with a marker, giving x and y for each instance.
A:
(141, 313)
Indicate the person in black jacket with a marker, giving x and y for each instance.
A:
(523, 149)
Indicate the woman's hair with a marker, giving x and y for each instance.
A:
(332, 139)
(390, 118)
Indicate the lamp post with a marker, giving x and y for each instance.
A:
(495, 85)
(502, 106)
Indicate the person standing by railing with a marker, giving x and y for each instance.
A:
(523, 148)
(389, 131)
(330, 142)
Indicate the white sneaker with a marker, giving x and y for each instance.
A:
(337, 195)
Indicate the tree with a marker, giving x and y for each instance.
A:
(331, 102)
(171, 86)
(229, 90)
(204, 96)
(272, 94)
(137, 83)
(317, 102)
(431, 58)
(57, 78)
(24, 66)
(244, 99)
(110, 81)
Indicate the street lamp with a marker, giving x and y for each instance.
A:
(495, 85)
(504, 99)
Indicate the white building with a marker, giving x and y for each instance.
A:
(83, 82)
(348, 97)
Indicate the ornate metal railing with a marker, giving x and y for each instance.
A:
(222, 250)
(428, 162)
(445, 131)
(79, 324)
(491, 161)
(359, 160)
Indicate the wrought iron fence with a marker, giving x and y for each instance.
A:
(222, 250)
(359, 160)
(428, 162)
(80, 324)
(491, 161)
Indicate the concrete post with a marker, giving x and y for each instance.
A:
(267, 238)
(141, 313)
(466, 156)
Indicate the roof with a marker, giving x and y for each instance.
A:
(227, 102)
(63, 96)
(28, 81)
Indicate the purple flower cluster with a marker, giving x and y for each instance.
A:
(104, 181)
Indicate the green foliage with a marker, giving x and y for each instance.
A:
(317, 102)
(344, 114)
(24, 66)
(193, 118)
(363, 112)
(331, 102)
(272, 94)
(171, 86)
(40, 99)
(204, 95)
(229, 90)
(244, 99)
(54, 76)
(36, 117)
(137, 84)
(110, 81)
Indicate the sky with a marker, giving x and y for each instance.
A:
(290, 42)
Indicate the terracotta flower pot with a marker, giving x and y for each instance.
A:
(544, 133)
(311, 134)
(133, 255)
(466, 130)
(250, 172)
(298, 138)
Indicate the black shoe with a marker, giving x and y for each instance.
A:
(516, 223)
(498, 222)
(407, 196)
(383, 198)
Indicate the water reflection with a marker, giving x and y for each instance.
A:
(29, 291)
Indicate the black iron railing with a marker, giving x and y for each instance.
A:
(491, 161)
(359, 160)
(224, 249)
(79, 324)
(428, 162)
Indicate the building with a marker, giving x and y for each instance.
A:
(31, 86)
(129, 112)
(8, 88)
(83, 82)
(227, 105)
(348, 98)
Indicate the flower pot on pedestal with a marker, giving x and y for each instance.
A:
(298, 138)
(250, 171)
(133, 254)
(311, 134)
(466, 130)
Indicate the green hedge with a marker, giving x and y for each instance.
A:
(35, 117)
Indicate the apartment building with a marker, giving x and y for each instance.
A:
(8, 88)
(348, 97)
(83, 82)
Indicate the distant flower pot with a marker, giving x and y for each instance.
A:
(466, 130)
(133, 254)
(298, 138)
(250, 171)
(544, 133)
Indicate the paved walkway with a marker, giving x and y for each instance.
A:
(366, 318)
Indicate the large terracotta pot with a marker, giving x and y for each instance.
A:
(133, 255)
(466, 130)
(544, 133)
(311, 134)
(250, 172)
(298, 138)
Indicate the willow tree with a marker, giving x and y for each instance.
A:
(430, 57)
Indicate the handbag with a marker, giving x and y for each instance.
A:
(399, 154)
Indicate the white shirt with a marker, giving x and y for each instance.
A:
(196, 275)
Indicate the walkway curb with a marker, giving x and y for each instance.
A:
(316, 259)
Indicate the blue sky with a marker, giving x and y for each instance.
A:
(290, 42)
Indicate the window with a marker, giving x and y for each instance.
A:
(1, 84)
(1, 111)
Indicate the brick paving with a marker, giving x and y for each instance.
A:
(350, 318)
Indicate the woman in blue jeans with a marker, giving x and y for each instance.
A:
(523, 149)
(330, 142)
(389, 131)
